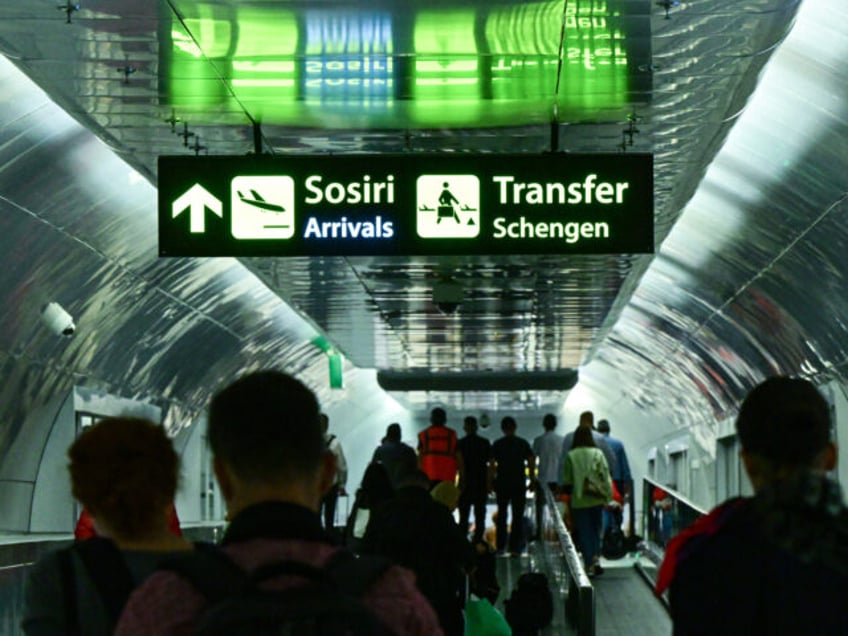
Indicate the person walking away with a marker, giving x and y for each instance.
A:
(586, 474)
(376, 488)
(273, 466)
(620, 476)
(587, 418)
(124, 471)
(331, 497)
(393, 453)
(417, 532)
(511, 459)
(437, 449)
(474, 453)
(547, 448)
(774, 563)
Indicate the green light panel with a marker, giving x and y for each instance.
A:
(446, 75)
(524, 43)
(464, 66)
(194, 82)
(264, 73)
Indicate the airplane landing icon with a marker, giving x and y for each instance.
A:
(448, 206)
(262, 207)
(257, 200)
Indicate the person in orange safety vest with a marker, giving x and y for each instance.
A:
(437, 449)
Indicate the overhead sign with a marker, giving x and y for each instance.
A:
(406, 204)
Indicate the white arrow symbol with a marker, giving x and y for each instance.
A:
(197, 198)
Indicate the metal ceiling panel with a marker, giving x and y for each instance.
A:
(178, 77)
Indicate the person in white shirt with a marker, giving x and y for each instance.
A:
(547, 448)
(331, 497)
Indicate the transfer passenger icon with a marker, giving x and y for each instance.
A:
(262, 207)
(448, 206)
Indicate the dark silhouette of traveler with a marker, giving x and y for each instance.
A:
(587, 418)
(376, 489)
(125, 472)
(437, 449)
(586, 475)
(393, 453)
(512, 461)
(620, 474)
(547, 448)
(273, 466)
(420, 533)
(774, 563)
(331, 497)
(473, 453)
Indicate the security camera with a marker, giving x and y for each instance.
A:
(58, 320)
(447, 296)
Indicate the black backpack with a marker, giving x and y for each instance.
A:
(327, 603)
(530, 607)
(614, 544)
(108, 571)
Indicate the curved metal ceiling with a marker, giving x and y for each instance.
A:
(686, 325)
(751, 281)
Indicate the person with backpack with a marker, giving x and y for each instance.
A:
(124, 471)
(418, 532)
(587, 477)
(277, 568)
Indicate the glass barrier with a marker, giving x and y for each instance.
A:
(665, 512)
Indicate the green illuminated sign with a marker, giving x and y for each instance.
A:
(405, 205)
(449, 65)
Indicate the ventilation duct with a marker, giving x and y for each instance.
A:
(424, 380)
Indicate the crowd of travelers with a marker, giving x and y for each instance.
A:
(409, 559)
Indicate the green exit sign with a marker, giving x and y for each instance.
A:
(436, 204)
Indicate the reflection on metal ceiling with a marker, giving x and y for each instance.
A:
(192, 77)
(751, 281)
(406, 66)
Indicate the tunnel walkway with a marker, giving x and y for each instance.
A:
(624, 602)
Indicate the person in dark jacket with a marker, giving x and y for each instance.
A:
(419, 533)
(474, 453)
(125, 472)
(513, 462)
(775, 563)
(393, 453)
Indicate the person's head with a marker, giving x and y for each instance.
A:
(603, 427)
(393, 432)
(587, 419)
(784, 428)
(508, 425)
(376, 485)
(469, 425)
(266, 437)
(582, 437)
(549, 422)
(410, 476)
(125, 472)
(438, 416)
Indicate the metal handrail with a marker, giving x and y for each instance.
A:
(580, 602)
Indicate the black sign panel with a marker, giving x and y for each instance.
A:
(406, 205)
